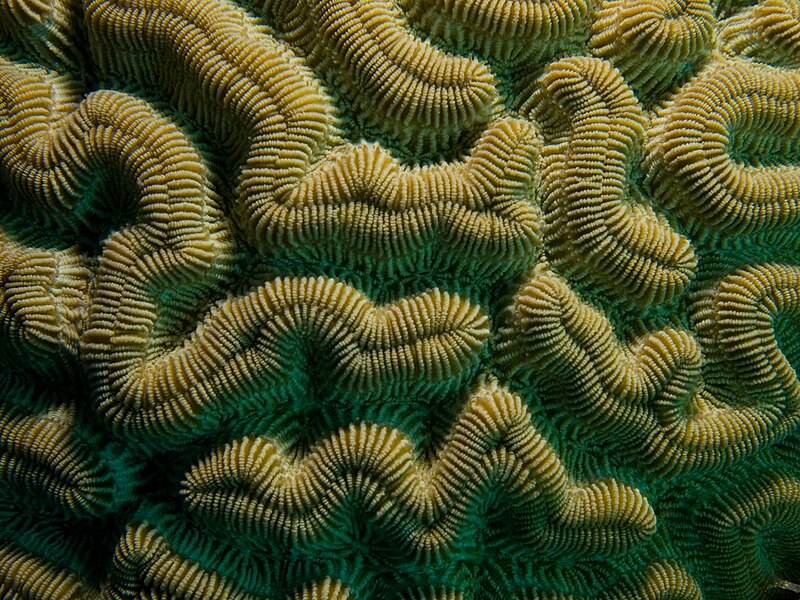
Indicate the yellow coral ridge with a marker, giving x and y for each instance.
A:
(250, 487)
(213, 61)
(50, 149)
(40, 457)
(649, 394)
(27, 577)
(279, 204)
(146, 566)
(734, 322)
(508, 31)
(768, 31)
(654, 43)
(44, 28)
(753, 531)
(663, 580)
(252, 342)
(405, 86)
(713, 151)
(596, 225)
(480, 209)
(42, 295)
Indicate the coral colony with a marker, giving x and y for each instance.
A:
(399, 299)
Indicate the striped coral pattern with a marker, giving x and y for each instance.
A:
(399, 299)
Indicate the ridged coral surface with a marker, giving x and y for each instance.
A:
(399, 299)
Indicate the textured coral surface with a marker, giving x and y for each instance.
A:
(399, 299)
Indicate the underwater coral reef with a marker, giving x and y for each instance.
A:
(399, 299)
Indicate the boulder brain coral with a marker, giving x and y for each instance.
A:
(399, 299)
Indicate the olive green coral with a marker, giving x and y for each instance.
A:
(399, 299)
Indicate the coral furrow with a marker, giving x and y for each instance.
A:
(44, 29)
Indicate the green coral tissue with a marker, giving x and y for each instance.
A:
(399, 299)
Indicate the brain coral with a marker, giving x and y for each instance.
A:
(399, 299)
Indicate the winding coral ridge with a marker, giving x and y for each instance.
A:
(368, 209)
(40, 302)
(649, 394)
(754, 527)
(663, 580)
(722, 152)
(255, 343)
(145, 565)
(44, 30)
(399, 299)
(677, 37)
(27, 577)
(244, 86)
(768, 32)
(424, 508)
(507, 31)
(596, 224)
(381, 65)
(40, 457)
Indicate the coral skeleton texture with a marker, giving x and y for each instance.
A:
(399, 299)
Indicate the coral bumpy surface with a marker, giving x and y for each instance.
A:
(413, 299)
